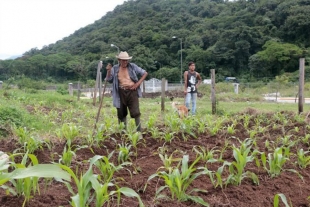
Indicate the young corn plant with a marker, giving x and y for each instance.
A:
(231, 129)
(25, 179)
(70, 132)
(23, 134)
(252, 133)
(283, 198)
(168, 160)
(286, 141)
(173, 123)
(178, 181)
(169, 136)
(276, 161)
(107, 168)
(215, 177)
(187, 126)
(89, 182)
(152, 121)
(201, 126)
(155, 133)
(82, 197)
(124, 153)
(204, 154)
(33, 144)
(67, 156)
(246, 120)
(237, 168)
(103, 195)
(135, 139)
(303, 160)
(214, 128)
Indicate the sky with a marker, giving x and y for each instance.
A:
(27, 24)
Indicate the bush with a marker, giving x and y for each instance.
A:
(62, 90)
(10, 115)
(27, 83)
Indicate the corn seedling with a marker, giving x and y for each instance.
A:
(215, 177)
(252, 133)
(124, 152)
(302, 159)
(231, 129)
(168, 160)
(103, 195)
(107, 168)
(127, 192)
(134, 139)
(168, 137)
(67, 115)
(276, 161)
(69, 153)
(131, 126)
(83, 185)
(201, 127)
(222, 151)
(283, 198)
(67, 156)
(236, 168)
(306, 139)
(286, 141)
(178, 181)
(23, 134)
(100, 135)
(24, 178)
(204, 154)
(173, 123)
(152, 121)
(155, 133)
(246, 120)
(32, 144)
(70, 132)
(299, 119)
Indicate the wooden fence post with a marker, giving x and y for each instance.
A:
(163, 91)
(213, 99)
(301, 98)
(79, 91)
(97, 81)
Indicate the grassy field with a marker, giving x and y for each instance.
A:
(36, 108)
(253, 148)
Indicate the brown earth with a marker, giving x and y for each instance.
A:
(147, 162)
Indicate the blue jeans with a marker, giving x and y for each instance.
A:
(191, 98)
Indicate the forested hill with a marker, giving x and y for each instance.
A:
(244, 38)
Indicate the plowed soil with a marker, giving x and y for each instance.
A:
(147, 162)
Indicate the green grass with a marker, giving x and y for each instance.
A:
(47, 111)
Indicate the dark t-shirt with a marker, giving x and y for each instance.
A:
(191, 82)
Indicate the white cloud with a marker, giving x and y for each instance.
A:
(26, 24)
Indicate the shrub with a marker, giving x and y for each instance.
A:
(10, 115)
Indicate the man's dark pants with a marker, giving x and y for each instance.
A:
(129, 99)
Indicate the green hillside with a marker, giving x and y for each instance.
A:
(249, 39)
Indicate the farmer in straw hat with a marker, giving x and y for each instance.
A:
(126, 78)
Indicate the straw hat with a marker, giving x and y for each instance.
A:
(123, 56)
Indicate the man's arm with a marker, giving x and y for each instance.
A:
(109, 77)
(199, 79)
(137, 84)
